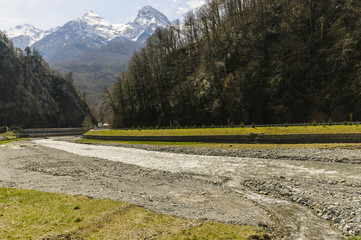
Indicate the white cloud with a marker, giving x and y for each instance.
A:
(195, 3)
(189, 5)
(182, 10)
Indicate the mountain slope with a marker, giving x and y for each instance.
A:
(30, 96)
(98, 68)
(261, 62)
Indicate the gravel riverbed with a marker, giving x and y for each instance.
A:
(300, 154)
(338, 201)
(281, 190)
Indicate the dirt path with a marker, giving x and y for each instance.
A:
(181, 193)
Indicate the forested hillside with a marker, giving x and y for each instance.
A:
(264, 61)
(32, 95)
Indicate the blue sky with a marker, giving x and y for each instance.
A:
(46, 14)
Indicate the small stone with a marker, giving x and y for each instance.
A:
(337, 220)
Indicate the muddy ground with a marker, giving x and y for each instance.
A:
(334, 207)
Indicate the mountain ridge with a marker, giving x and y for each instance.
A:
(90, 26)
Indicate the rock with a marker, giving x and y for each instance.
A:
(337, 220)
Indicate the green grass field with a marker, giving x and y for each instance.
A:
(12, 140)
(26, 214)
(231, 131)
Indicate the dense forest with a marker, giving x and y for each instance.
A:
(32, 95)
(261, 61)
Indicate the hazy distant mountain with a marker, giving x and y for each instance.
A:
(98, 68)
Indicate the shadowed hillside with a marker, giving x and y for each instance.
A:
(263, 61)
(31, 95)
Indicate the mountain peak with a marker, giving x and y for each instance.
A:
(149, 15)
(93, 19)
(91, 14)
(148, 8)
(23, 29)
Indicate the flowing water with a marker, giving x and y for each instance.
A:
(298, 221)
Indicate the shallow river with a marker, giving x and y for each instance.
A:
(300, 221)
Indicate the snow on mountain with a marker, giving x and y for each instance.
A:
(25, 35)
(90, 27)
(145, 24)
(85, 33)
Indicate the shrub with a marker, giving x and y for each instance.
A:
(15, 129)
(3, 129)
(330, 122)
(242, 124)
(87, 123)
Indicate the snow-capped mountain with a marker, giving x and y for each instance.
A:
(26, 35)
(147, 21)
(92, 31)
(87, 32)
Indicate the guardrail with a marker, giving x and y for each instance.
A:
(44, 132)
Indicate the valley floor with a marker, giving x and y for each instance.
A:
(305, 205)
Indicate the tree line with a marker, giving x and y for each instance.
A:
(264, 61)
